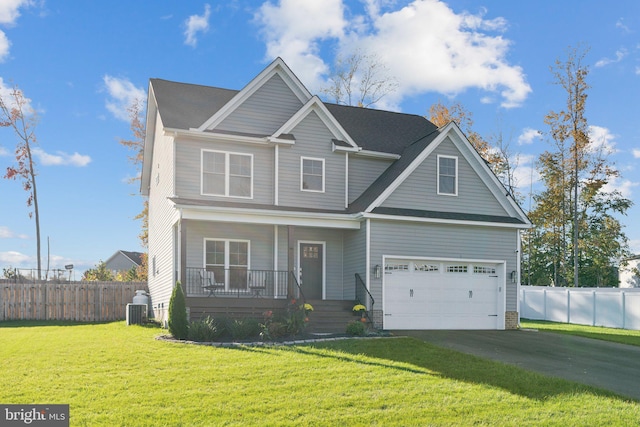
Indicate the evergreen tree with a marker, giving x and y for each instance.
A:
(178, 322)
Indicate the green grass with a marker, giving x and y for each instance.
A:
(622, 336)
(114, 375)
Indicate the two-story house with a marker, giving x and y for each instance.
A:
(267, 192)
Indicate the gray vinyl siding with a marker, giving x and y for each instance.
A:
(444, 241)
(161, 220)
(265, 111)
(313, 139)
(362, 172)
(419, 190)
(355, 259)
(189, 169)
(259, 236)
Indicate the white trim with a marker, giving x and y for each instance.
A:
(346, 180)
(217, 136)
(276, 236)
(378, 155)
(368, 254)
(456, 177)
(314, 159)
(445, 221)
(519, 273)
(277, 67)
(251, 216)
(324, 263)
(227, 173)
(276, 178)
(315, 105)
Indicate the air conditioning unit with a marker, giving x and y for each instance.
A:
(136, 314)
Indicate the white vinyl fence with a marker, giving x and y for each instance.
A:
(610, 307)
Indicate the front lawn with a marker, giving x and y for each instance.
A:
(114, 375)
(622, 336)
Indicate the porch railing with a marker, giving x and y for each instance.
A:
(363, 296)
(240, 283)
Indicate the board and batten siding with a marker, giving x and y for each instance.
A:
(189, 169)
(412, 239)
(264, 111)
(313, 139)
(420, 189)
(162, 217)
(259, 236)
(363, 171)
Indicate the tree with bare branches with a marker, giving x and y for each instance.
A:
(16, 113)
(136, 145)
(361, 79)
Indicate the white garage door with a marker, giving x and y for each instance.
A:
(430, 294)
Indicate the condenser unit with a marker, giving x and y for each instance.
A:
(136, 314)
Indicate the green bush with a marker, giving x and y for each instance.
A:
(356, 328)
(205, 330)
(178, 322)
(241, 329)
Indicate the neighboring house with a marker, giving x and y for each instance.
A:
(628, 274)
(123, 261)
(267, 193)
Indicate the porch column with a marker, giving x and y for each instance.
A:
(291, 242)
(183, 252)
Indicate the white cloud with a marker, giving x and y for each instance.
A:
(526, 174)
(61, 158)
(294, 30)
(528, 135)
(14, 258)
(634, 246)
(7, 94)
(624, 186)
(636, 153)
(196, 24)
(10, 10)
(425, 46)
(620, 24)
(6, 233)
(3, 152)
(620, 54)
(602, 138)
(5, 44)
(123, 94)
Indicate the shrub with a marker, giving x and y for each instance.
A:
(205, 330)
(356, 328)
(241, 329)
(178, 323)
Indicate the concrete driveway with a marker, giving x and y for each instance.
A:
(602, 364)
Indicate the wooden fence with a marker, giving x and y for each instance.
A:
(77, 301)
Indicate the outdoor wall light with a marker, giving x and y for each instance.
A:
(377, 271)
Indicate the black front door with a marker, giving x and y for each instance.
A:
(311, 270)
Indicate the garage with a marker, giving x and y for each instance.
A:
(443, 294)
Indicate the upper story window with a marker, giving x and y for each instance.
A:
(227, 174)
(312, 174)
(448, 175)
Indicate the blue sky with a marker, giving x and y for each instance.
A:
(81, 63)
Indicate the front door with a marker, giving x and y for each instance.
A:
(311, 269)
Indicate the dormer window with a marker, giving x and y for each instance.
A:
(227, 174)
(448, 175)
(312, 174)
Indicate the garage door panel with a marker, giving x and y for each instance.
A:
(429, 294)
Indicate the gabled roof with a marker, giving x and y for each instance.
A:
(134, 257)
(382, 131)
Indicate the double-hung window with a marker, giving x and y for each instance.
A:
(448, 175)
(312, 174)
(229, 261)
(227, 174)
